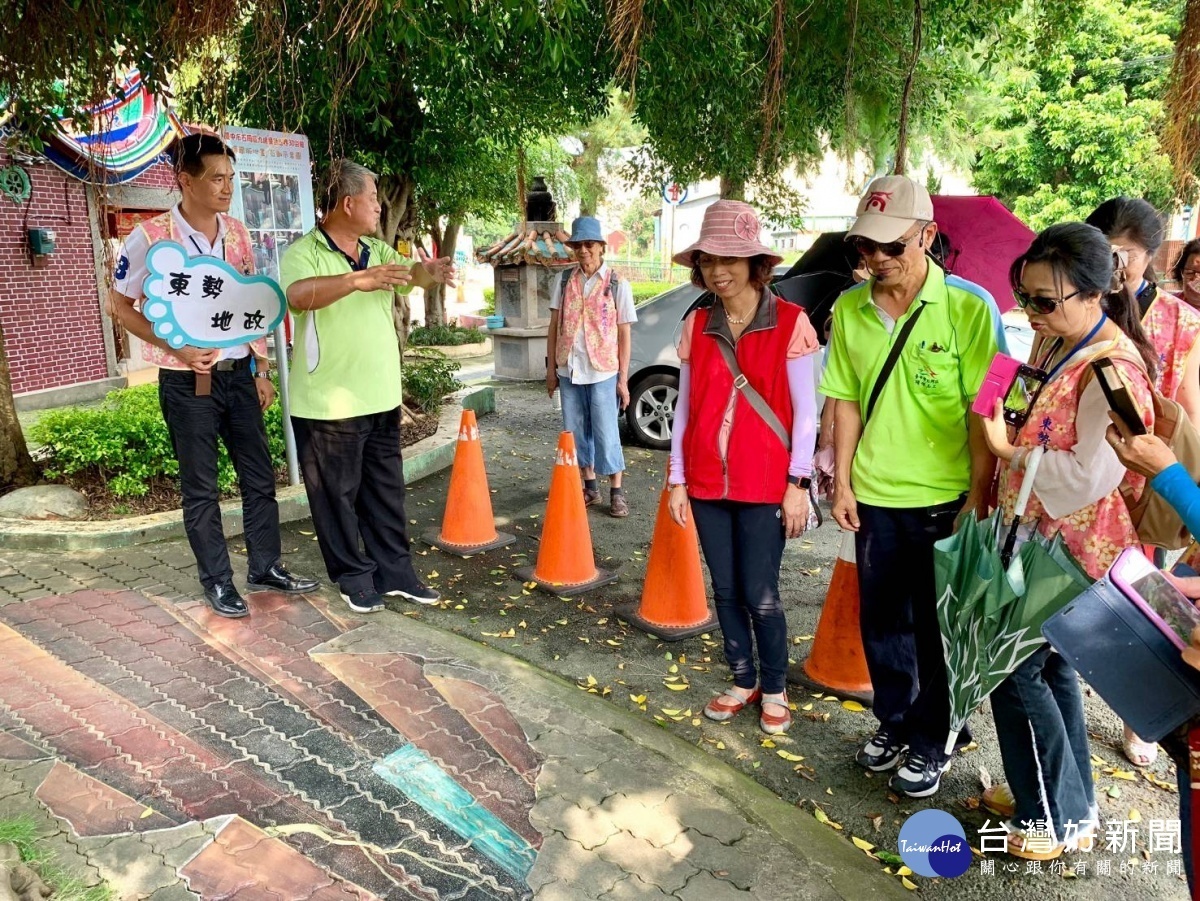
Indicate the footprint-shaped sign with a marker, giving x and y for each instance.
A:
(205, 302)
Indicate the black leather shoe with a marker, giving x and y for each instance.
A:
(277, 578)
(225, 601)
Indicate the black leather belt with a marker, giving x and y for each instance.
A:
(232, 365)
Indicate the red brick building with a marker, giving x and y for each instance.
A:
(62, 346)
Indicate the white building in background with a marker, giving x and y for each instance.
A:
(831, 195)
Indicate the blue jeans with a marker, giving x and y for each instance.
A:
(1176, 744)
(590, 413)
(1043, 742)
(743, 547)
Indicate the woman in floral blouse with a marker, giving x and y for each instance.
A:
(1061, 282)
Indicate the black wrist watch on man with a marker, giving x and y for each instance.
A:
(801, 482)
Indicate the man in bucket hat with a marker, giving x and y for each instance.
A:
(910, 458)
(587, 356)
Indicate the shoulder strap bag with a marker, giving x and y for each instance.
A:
(890, 363)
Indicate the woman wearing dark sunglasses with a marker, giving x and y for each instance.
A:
(1062, 282)
(1136, 230)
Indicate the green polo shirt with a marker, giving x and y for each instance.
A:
(345, 359)
(914, 451)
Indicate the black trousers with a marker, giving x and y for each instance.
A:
(230, 412)
(898, 617)
(354, 477)
(743, 547)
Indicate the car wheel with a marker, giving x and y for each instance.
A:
(651, 412)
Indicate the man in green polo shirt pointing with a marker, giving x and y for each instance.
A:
(910, 459)
(345, 390)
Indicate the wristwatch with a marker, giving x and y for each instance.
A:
(801, 482)
(262, 374)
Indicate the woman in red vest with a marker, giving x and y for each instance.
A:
(742, 447)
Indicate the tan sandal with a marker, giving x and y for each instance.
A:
(1033, 847)
(726, 706)
(1000, 801)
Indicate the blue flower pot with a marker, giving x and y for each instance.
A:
(495, 322)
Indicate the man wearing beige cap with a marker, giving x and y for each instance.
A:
(910, 348)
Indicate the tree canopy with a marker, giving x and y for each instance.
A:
(742, 89)
(1078, 119)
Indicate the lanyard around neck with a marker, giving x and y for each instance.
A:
(1074, 350)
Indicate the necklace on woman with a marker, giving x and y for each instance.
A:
(738, 320)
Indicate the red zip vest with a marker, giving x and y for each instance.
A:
(755, 468)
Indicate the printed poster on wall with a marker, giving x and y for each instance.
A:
(274, 196)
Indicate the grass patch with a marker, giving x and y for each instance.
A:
(23, 832)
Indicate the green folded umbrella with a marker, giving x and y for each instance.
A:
(991, 616)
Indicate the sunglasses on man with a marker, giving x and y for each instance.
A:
(867, 248)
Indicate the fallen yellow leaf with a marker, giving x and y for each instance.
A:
(591, 680)
(862, 844)
(788, 755)
(853, 706)
(908, 883)
(1135, 815)
(904, 871)
(638, 699)
(675, 687)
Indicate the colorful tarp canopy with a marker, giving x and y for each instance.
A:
(123, 137)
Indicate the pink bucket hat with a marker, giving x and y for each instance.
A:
(730, 229)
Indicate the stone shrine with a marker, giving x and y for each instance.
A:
(525, 264)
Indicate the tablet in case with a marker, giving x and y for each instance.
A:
(1129, 662)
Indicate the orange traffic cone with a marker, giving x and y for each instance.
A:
(837, 663)
(674, 604)
(467, 525)
(565, 564)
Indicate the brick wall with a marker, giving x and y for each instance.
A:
(54, 333)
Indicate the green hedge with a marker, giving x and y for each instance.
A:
(444, 336)
(125, 443)
(489, 302)
(428, 377)
(643, 291)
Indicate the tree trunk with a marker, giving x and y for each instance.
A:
(397, 215)
(17, 468)
(733, 188)
(906, 94)
(445, 242)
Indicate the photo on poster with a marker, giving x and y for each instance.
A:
(256, 200)
(283, 240)
(266, 259)
(285, 201)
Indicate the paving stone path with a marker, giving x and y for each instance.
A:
(306, 752)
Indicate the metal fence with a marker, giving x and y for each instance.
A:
(648, 271)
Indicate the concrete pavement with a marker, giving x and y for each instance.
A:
(310, 753)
